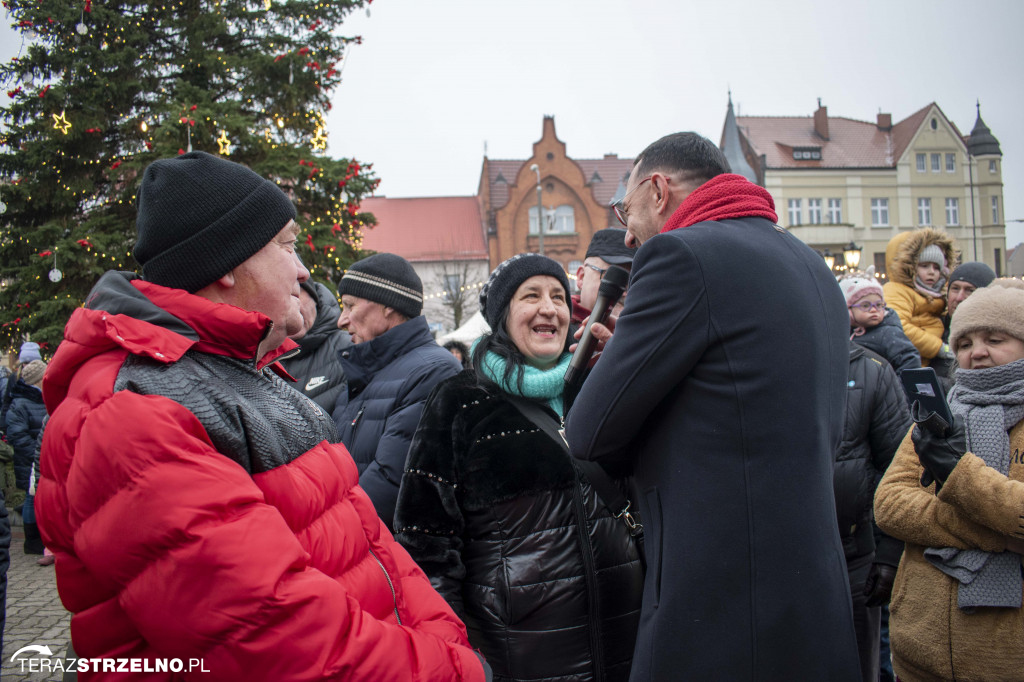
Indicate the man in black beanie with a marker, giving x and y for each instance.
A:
(607, 248)
(391, 370)
(180, 475)
(965, 279)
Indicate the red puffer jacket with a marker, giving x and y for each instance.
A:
(168, 547)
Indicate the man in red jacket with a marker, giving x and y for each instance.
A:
(201, 510)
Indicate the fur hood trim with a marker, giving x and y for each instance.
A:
(903, 263)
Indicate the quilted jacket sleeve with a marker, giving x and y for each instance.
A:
(383, 476)
(906, 510)
(202, 566)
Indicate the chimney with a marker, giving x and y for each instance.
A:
(821, 121)
(884, 122)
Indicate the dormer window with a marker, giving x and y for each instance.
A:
(807, 153)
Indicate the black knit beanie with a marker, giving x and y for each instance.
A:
(506, 278)
(201, 216)
(973, 272)
(386, 279)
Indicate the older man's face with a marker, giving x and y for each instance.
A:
(588, 279)
(268, 283)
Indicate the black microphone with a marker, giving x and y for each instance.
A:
(612, 285)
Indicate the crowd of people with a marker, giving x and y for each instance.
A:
(236, 468)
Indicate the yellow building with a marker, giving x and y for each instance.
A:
(837, 180)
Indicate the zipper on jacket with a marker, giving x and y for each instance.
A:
(590, 575)
(394, 597)
(358, 415)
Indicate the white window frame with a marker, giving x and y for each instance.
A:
(835, 211)
(924, 212)
(936, 163)
(794, 212)
(565, 220)
(995, 210)
(992, 168)
(814, 211)
(952, 211)
(951, 162)
(880, 212)
(922, 163)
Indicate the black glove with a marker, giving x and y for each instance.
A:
(878, 588)
(939, 454)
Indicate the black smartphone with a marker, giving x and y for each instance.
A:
(922, 384)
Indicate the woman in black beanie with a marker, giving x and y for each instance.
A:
(495, 511)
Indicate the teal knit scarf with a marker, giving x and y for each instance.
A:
(537, 383)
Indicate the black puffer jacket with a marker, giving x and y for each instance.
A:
(877, 419)
(24, 420)
(889, 341)
(547, 581)
(315, 366)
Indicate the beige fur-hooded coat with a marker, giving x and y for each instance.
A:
(920, 315)
(977, 508)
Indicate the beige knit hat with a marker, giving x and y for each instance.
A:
(1008, 282)
(32, 373)
(996, 308)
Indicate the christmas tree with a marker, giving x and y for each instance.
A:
(102, 89)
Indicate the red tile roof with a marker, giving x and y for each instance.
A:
(426, 228)
(851, 143)
(610, 171)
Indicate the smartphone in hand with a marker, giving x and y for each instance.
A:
(922, 386)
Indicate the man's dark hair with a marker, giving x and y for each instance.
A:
(693, 158)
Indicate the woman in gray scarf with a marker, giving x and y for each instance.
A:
(956, 610)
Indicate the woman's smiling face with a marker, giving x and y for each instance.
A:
(538, 320)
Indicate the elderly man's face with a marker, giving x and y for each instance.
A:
(268, 283)
(588, 279)
(307, 306)
(365, 320)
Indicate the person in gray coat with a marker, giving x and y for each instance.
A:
(722, 391)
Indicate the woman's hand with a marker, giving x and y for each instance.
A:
(939, 455)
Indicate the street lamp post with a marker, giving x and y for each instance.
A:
(830, 260)
(540, 211)
(974, 223)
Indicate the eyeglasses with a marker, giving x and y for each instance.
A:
(868, 306)
(600, 271)
(619, 207)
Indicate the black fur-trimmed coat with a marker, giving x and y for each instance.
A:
(491, 508)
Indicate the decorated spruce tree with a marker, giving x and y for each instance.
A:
(101, 88)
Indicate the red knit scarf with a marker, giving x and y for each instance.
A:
(720, 198)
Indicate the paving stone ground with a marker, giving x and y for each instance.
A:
(34, 615)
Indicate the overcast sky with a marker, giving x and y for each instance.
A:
(436, 80)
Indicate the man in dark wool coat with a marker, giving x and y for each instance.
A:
(722, 391)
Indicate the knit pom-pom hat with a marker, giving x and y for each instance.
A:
(506, 278)
(858, 286)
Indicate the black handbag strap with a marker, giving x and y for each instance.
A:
(608, 492)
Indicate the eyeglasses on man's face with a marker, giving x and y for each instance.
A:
(599, 271)
(619, 207)
(868, 306)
